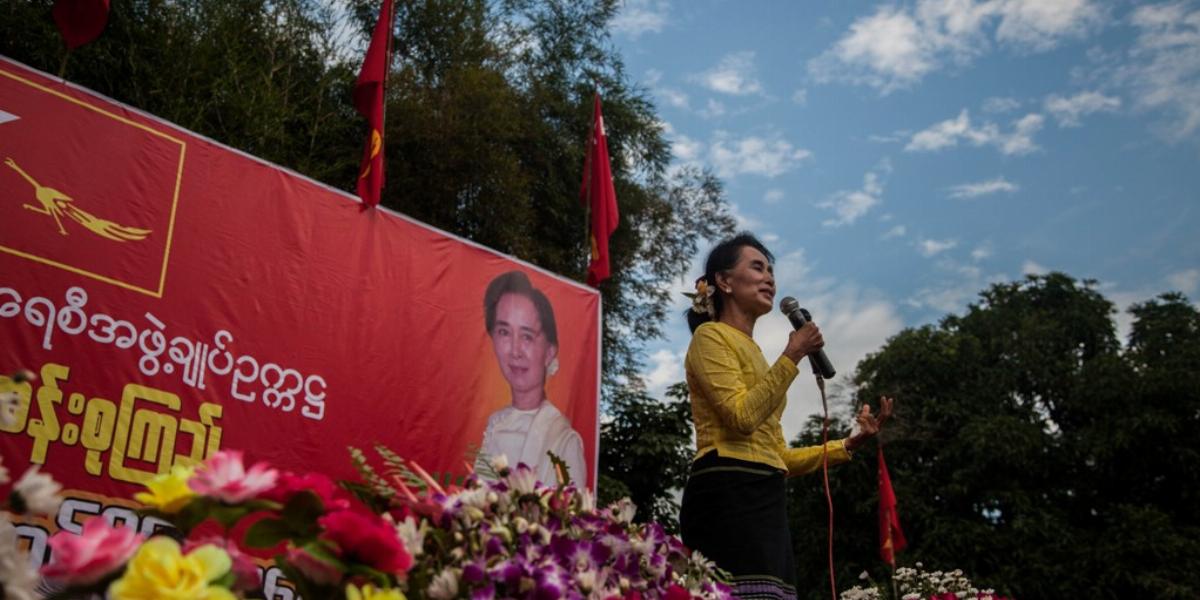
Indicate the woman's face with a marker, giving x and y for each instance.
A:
(521, 347)
(751, 282)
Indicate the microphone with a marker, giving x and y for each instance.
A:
(798, 316)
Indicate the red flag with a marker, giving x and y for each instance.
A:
(80, 21)
(891, 537)
(598, 193)
(368, 99)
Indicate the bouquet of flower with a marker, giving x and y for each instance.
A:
(918, 584)
(33, 493)
(400, 533)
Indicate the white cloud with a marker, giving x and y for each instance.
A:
(948, 133)
(1185, 281)
(1068, 110)
(640, 16)
(946, 298)
(983, 188)
(981, 252)
(773, 196)
(1000, 105)
(734, 75)
(673, 97)
(754, 155)
(800, 97)
(895, 232)
(850, 205)
(929, 248)
(666, 368)
(1032, 268)
(854, 322)
(770, 238)
(885, 50)
(895, 47)
(1164, 67)
(743, 221)
(712, 109)
(899, 136)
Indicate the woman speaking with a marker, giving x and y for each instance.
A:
(734, 508)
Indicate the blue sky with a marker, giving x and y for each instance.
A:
(899, 157)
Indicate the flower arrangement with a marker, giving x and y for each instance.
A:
(400, 533)
(33, 493)
(915, 583)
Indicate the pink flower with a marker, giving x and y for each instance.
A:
(224, 477)
(289, 484)
(86, 558)
(368, 539)
(245, 572)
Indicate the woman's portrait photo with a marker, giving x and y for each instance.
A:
(520, 322)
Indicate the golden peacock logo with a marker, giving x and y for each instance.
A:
(56, 204)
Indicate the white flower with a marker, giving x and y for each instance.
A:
(18, 580)
(587, 501)
(38, 492)
(864, 576)
(586, 580)
(412, 535)
(623, 510)
(522, 479)
(499, 463)
(444, 586)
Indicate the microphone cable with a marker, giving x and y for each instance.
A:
(825, 476)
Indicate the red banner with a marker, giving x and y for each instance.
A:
(177, 297)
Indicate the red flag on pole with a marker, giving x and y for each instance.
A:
(597, 193)
(368, 99)
(80, 21)
(891, 537)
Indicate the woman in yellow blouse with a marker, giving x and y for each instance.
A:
(734, 508)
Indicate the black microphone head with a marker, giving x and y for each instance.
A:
(788, 305)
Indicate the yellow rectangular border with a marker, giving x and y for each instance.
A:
(162, 278)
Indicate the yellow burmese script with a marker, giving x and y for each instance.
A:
(141, 427)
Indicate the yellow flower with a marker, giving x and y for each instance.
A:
(368, 592)
(160, 571)
(169, 492)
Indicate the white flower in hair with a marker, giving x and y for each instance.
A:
(702, 302)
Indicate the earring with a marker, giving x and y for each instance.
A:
(552, 368)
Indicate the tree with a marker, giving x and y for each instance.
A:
(647, 449)
(263, 77)
(1029, 449)
(488, 112)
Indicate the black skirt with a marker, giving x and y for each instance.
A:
(734, 512)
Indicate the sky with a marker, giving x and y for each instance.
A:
(900, 157)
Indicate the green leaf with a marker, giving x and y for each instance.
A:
(267, 533)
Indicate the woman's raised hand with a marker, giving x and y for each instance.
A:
(803, 341)
(868, 424)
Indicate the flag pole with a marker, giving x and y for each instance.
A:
(587, 172)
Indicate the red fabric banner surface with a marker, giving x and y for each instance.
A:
(177, 297)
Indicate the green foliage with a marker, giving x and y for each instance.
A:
(263, 77)
(647, 448)
(1029, 449)
(489, 106)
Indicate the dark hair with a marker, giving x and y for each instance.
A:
(723, 257)
(516, 282)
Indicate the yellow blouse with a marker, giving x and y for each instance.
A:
(738, 400)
